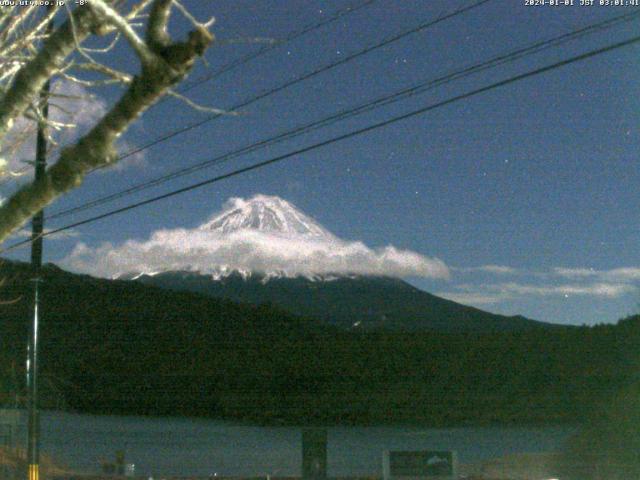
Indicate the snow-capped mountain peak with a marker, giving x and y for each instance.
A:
(266, 214)
(264, 237)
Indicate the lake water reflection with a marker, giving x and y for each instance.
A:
(179, 446)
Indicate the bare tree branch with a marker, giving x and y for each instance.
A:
(198, 107)
(163, 65)
(157, 36)
(111, 16)
(30, 79)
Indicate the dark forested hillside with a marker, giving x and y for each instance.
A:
(124, 347)
(363, 302)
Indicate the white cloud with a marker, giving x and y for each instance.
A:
(556, 282)
(493, 269)
(474, 298)
(483, 294)
(610, 290)
(71, 104)
(624, 274)
(581, 274)
(574, 272)
(209, 251)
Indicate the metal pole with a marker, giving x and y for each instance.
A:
(37, 224)
(33, 432)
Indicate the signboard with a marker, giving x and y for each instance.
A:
(436, 464)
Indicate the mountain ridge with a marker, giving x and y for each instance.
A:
(265, 250)
(356, 301)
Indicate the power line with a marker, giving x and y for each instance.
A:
(246, 59)
(383, 43)
(304, 77)
(352, 111)
(345, 136)
(292, 36)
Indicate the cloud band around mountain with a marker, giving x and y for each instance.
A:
(247, 250)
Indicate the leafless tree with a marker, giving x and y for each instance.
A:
(31, 55)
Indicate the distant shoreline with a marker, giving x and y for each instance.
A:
(303, 424)
(296, 423)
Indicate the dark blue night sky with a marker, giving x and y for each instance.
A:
(528, 193)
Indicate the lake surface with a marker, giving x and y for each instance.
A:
(178, 446)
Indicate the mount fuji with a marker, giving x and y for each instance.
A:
(268, 214)
(263, 236)
(265, 250)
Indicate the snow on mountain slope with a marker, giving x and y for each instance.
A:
(267, 214)
(263, 235)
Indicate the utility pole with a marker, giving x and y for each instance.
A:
(37, 224)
